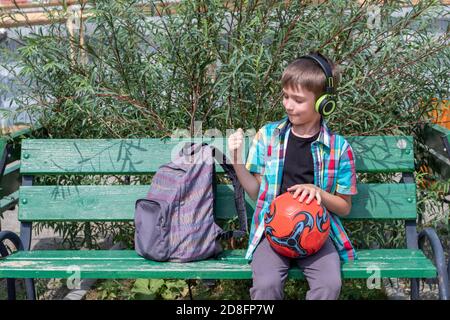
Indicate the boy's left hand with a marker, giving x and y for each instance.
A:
(306, 189)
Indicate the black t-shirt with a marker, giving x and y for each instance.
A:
(298, 163)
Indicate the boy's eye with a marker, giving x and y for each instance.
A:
(285, 96)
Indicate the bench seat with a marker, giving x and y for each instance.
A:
(231, 264)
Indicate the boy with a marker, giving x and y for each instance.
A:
(299, 154)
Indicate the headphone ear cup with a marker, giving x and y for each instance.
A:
(325, 105)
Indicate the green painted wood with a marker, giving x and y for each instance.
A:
(9, 178)
(140, 156)
(11, 167)
(23, 132)
(116, 203)
(383, 153)
(384, 201)
(10, 181)
(101, 156)
(402, 263)
(235, 255)
(8, 201)
(79, 203)
(3, 143)
(14, 139)
(374, 201)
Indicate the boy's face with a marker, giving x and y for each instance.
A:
(299, 105)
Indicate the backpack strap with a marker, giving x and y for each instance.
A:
(226, 235)
(238, 197)
(191, 148)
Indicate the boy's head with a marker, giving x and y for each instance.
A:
(303, 82)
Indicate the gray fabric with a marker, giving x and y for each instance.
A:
(269, 269)
(176, 221)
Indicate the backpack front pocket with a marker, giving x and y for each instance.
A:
(152, 223)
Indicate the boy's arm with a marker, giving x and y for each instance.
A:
(249, 172)
(340, 204)
(250, 182)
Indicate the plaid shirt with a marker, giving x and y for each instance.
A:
(334, 171)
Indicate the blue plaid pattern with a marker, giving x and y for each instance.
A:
(334, 171)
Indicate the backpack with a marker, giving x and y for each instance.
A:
(176, 221)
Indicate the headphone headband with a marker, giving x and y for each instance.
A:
(325, 66)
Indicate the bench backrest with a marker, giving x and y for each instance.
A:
(143, 156)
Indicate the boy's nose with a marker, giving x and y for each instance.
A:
(289, 106)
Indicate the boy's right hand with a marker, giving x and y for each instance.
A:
(235, 144)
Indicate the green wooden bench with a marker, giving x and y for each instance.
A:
(375, 201)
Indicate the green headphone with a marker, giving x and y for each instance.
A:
(326, 103)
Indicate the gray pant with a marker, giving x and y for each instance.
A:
(322, 270)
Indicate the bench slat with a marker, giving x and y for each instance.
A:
(237, 254)
(116, 203)
(8, 201)
(140, 156)
(403, 263)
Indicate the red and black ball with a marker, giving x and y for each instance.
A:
(295, 229)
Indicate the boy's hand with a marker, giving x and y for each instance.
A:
(235, 144)
(306, 189)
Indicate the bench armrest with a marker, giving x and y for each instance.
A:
(439, 259)
(11, 236)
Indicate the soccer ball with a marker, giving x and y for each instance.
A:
(295, 229)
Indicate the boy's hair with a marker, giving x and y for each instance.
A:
(308, 75)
